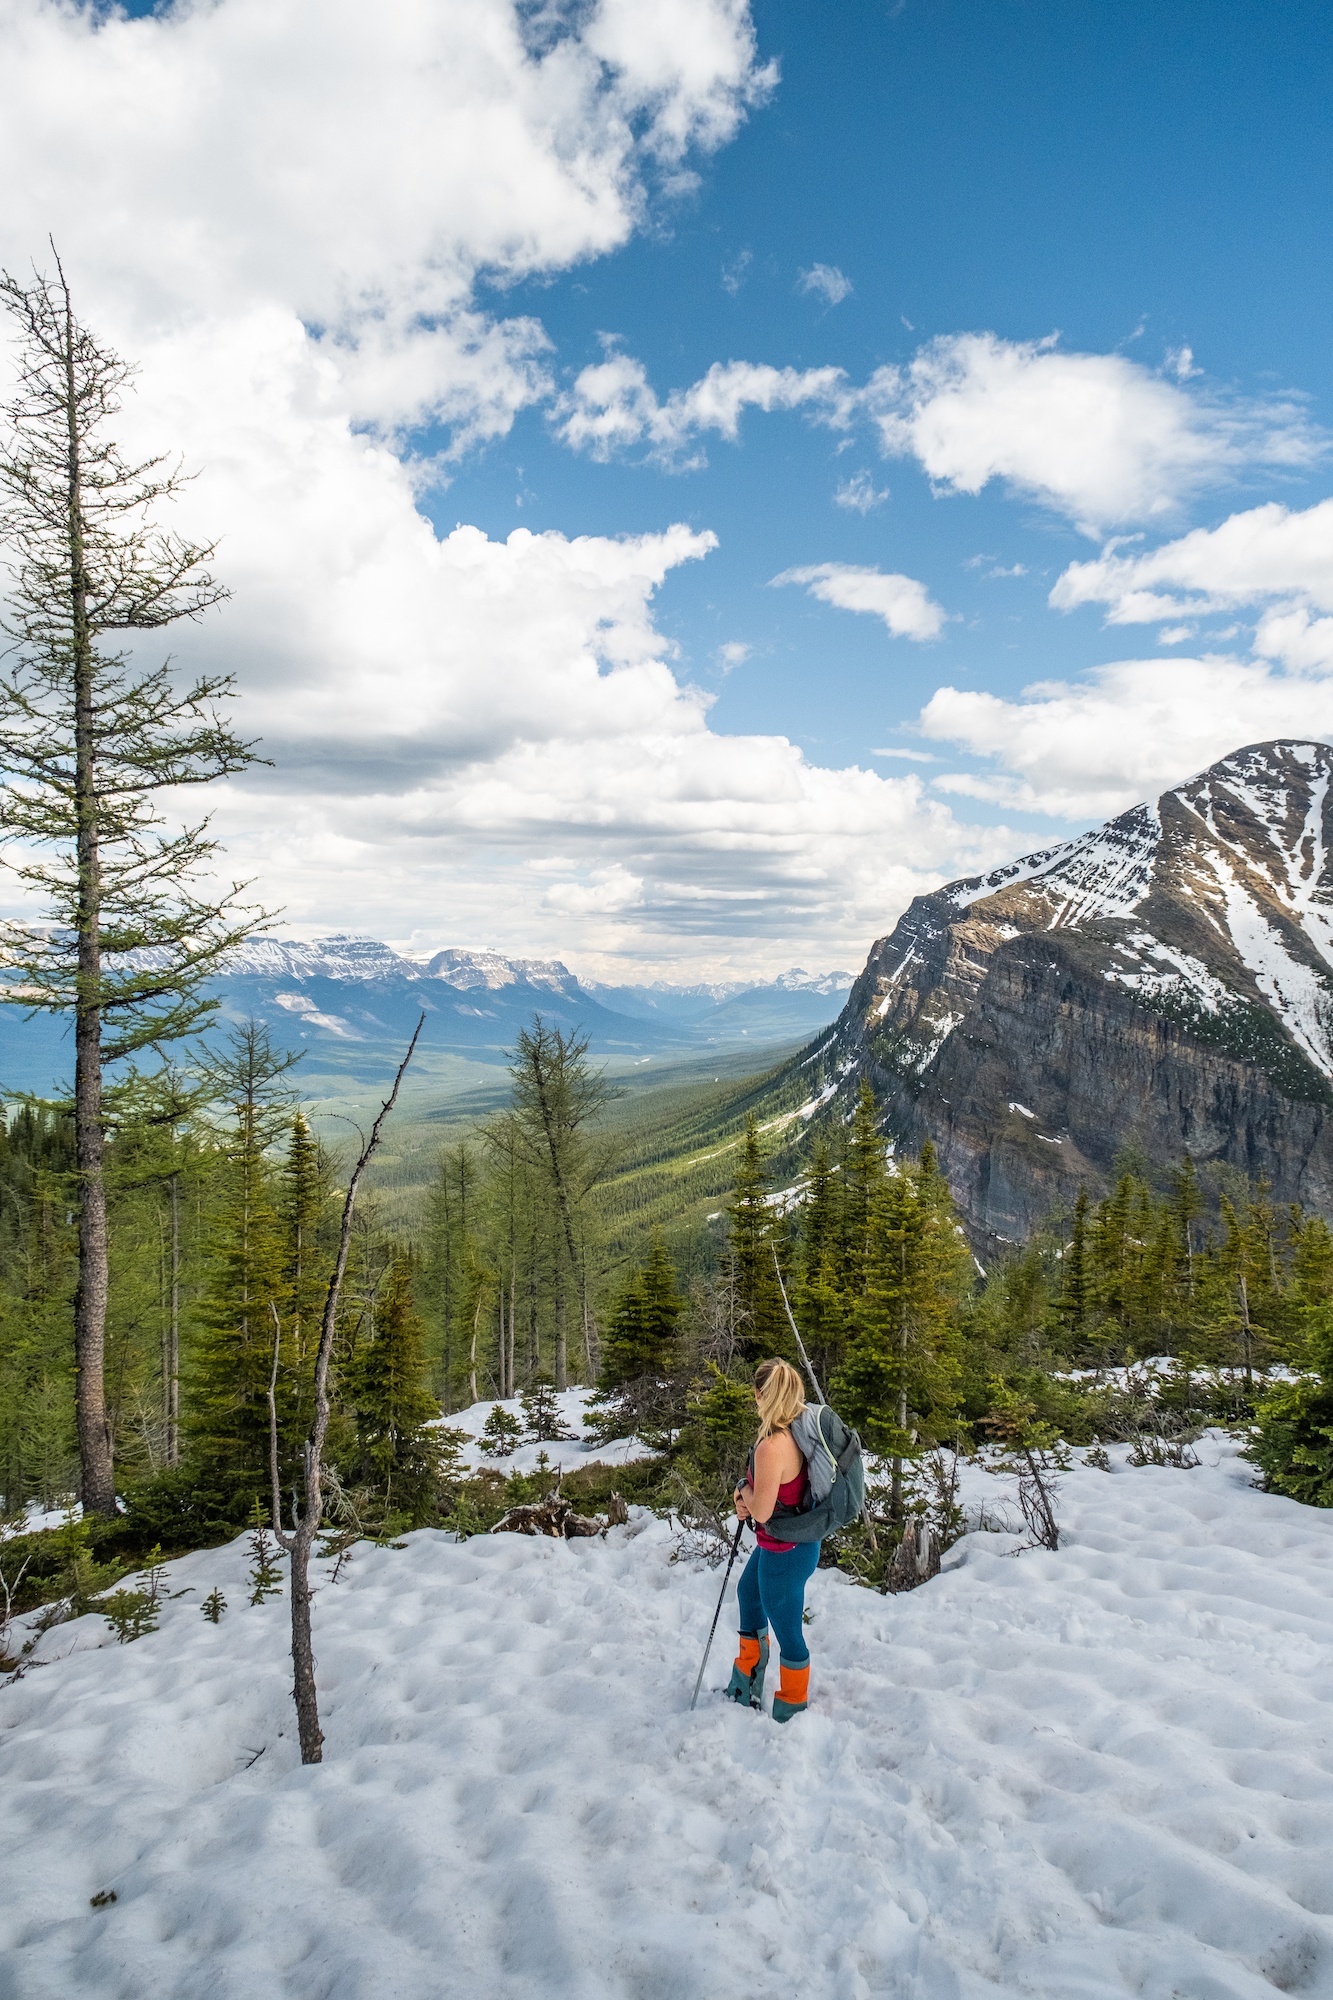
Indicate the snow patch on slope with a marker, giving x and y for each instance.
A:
(1101, 1772)
(1298, 994)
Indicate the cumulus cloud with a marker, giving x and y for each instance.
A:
(470, 738)
(613, 407)
(827, 282)
(1096, 437)
(1265, 553)
(1085, 749)
(905, 605)
(357, 168)
(572, 798)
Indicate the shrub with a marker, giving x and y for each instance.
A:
(1292, 1441)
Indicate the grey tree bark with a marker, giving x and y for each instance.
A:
(301, 1538)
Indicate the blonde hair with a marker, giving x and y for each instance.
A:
(780, 1394)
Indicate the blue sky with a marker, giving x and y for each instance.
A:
(1136, 179)
(519, 349)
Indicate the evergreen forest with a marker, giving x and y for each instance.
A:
(514, 1273)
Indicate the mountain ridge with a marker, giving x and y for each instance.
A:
(1162, 982)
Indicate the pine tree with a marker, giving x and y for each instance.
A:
(818, 1299)
(1076, 1285)
(863, 1174)
(641, 1335)
(228, 1419)
(762, 1321)
(391, 1407)
(302, 1202)
(898, 1384)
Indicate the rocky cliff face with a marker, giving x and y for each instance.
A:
(1165, 981)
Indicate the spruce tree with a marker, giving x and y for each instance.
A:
(302, 1204)
(898, 1384)
(863, 1174)
(228, 1419)
(761, 1320)
(390, 1406)
(641, 1336)
(1075, 1275)
(818, 1298)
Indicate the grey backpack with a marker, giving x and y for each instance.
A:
(837, 1489)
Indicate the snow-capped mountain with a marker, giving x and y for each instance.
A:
(1165, 980)
(353, 1001)
(336, 957)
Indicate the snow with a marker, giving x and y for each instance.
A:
(1299, 995)
(805, 1111)
(1099, 1772)
(1021, 1109)
(1103, 873)
(569, 1455)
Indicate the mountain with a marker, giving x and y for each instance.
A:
(795, 1002)
(1163, 983)
(350, 1001)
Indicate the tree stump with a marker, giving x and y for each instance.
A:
(916, 1558)
(553, 1516)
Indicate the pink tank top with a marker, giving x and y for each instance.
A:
(790, 1495)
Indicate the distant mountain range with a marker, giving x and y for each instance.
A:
(344, 998)
(1163, 983)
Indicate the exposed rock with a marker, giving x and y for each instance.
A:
(1165, 981)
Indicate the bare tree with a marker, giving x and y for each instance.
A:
(299, 1541)
(88, 741)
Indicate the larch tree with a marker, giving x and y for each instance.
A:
(123, 936)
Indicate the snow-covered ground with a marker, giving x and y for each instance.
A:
(567, 1453)
(1105, 1771)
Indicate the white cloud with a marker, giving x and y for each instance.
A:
(1302, 643)
(1083, 750)
(613, 407)
(470, 738)
(573, 798)
(734, 653)
(1253, 557)
(1094, 436)
(356, 167)
(905, 605)
(735, 273)
(860, 493)
(827, 281)
(911, 756)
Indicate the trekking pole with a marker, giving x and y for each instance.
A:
(740, 1526)
(814, 1379)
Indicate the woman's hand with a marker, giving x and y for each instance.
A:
(744, 1499)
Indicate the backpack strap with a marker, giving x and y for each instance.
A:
(850, 1452)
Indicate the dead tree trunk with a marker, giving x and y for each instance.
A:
(300, 1540)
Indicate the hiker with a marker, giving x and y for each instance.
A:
(771, 1590)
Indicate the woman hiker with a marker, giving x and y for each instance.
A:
(771, 1590)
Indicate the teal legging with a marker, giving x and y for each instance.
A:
(772, 1592)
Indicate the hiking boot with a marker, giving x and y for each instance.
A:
(746, 1685)
(793, 1688)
